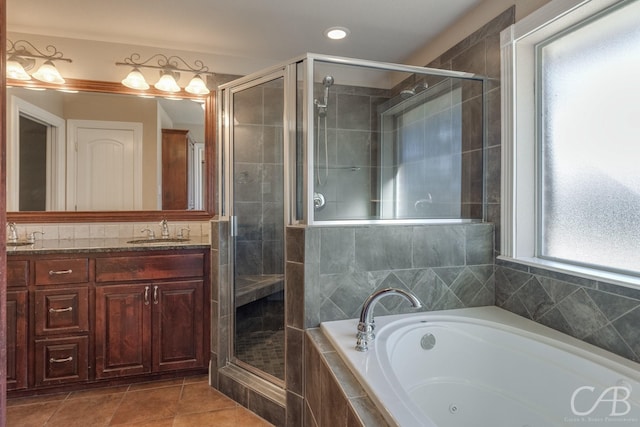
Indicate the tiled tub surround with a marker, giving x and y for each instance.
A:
(597, 312)
(334, 396)
(445, 266)
(331, 270)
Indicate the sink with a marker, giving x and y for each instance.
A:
(20, 243)
(160, 240)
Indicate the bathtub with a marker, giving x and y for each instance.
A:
(486, 367)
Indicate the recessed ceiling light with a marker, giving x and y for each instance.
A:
(337, 33)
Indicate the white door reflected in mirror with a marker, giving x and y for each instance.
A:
(104, 170)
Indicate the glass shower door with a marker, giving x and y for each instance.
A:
(257, 205)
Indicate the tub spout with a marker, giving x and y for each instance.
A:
(366, 325)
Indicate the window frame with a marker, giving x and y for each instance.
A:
(520, 183)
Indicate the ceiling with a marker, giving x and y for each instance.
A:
(249, 34)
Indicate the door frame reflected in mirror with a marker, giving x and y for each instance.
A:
(209, 206)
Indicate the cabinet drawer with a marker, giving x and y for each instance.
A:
(17, 273)
(62, 310)
(62, 271)
(61, 360)
(152, 267)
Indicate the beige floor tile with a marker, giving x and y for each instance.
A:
(222, 418)
(103, 391)
(156, 384)
(166, 422)
(34, 415)
(37, 399)
(93, 411)
(199, 397)
(236, 417)
(147, 405)
(246, 418)
(197, 379)
(183, 402)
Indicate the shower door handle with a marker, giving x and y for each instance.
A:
(233, 225)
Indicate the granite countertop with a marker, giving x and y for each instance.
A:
(52, 246)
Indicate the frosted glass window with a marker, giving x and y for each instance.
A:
(590, 143)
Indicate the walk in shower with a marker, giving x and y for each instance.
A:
(328, 140)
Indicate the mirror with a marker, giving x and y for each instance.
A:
(59, 198)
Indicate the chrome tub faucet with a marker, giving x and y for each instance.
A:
(366, 325)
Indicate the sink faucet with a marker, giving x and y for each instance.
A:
(165, 229)
(366, 325)
(150, 233)
(13, 232)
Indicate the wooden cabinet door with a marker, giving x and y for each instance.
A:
(61, 360)
(178, 325)
(123, 330)
(16, 339)
(62, 311)
(175, 160)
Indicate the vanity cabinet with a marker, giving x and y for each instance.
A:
(61, 320)
(95, 317)
(17, 324)
(150, 314)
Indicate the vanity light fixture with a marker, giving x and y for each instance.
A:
(170, 68)
(22, 59)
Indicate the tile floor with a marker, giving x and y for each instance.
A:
(172, 403)
(264, 350)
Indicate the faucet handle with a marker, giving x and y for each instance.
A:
(13, 232)
(181, 232)
(32, 236)
(150, 233)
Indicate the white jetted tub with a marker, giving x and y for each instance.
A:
(486, 367)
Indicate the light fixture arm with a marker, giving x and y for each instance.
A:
(24, 49)
(168, 63)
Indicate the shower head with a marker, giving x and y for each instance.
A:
(327, 81)
(416, 89)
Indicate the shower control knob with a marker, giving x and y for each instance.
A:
(318, 200)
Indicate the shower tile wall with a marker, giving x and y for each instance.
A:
(480, 53)
(423, 150)
(352, 144)
(258, 182)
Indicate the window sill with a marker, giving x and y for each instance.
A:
(583, 272)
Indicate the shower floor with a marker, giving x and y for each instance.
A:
(264, 350)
